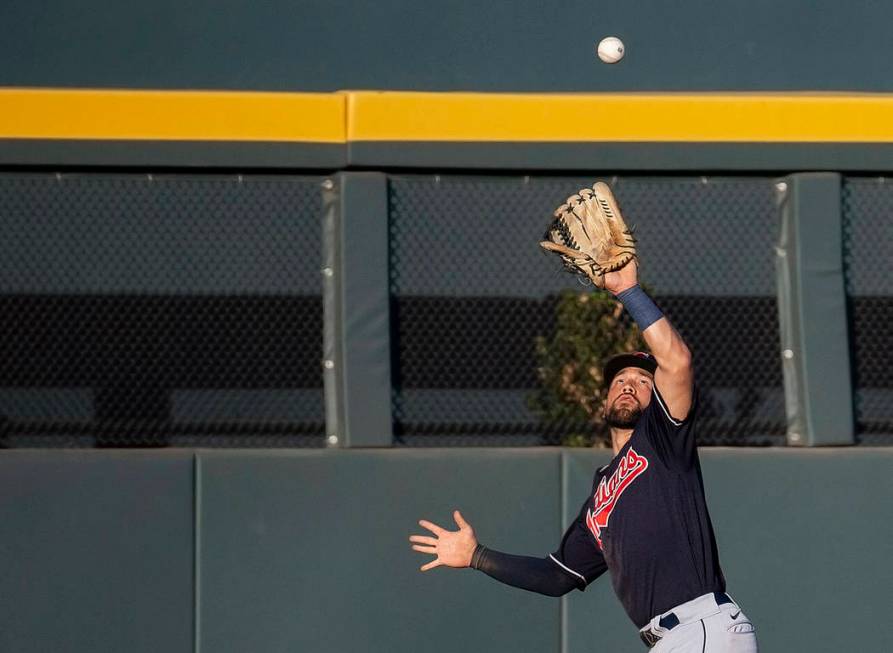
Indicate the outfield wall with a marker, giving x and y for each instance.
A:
(307, 550)
(448, 45)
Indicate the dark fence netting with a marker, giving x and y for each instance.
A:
(167, 310)
(868, 252)
(471, 291)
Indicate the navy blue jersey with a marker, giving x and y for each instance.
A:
(646, 521)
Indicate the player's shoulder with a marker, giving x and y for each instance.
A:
(658, 410)
(671, 439)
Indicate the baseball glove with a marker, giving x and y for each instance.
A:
(589, 234)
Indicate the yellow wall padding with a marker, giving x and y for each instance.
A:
(171, 115)
(665, 117)
(88, 114)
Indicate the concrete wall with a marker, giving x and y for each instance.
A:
(307, 550)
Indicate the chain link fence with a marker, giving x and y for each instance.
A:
(185, 310)
(868, 251)
(471, 291)
(140, 310)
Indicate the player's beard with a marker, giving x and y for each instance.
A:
(623, 417)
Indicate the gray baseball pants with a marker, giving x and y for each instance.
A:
(702, 625)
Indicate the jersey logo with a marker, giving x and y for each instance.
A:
(609, 490)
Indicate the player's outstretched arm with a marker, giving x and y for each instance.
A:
(674, 374)
(590, 235)
(461, 549)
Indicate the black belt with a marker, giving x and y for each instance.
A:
(670, 621)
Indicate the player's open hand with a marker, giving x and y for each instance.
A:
(450, 548)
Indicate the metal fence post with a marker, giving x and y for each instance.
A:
(356, 308)
(812, 312)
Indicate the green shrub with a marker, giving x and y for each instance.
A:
(590, 327)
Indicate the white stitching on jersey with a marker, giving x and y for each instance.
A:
(568, 569)
(660, 402)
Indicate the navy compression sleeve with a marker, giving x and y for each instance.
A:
(539, 575)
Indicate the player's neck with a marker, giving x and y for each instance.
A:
(620, 437)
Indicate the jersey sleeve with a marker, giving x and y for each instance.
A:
(674, 440)
(578, 555)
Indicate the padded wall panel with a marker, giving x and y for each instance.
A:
(96, 551)
(309, 550)
(804, 539)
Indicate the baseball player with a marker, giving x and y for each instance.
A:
(646, 519)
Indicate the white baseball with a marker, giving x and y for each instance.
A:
(610, 49)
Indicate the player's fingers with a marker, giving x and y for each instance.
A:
(431, 565)
(434, 528)
(424, 549)
(460, 521)
(423, 539)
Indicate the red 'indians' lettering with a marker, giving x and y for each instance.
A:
(609, 490)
